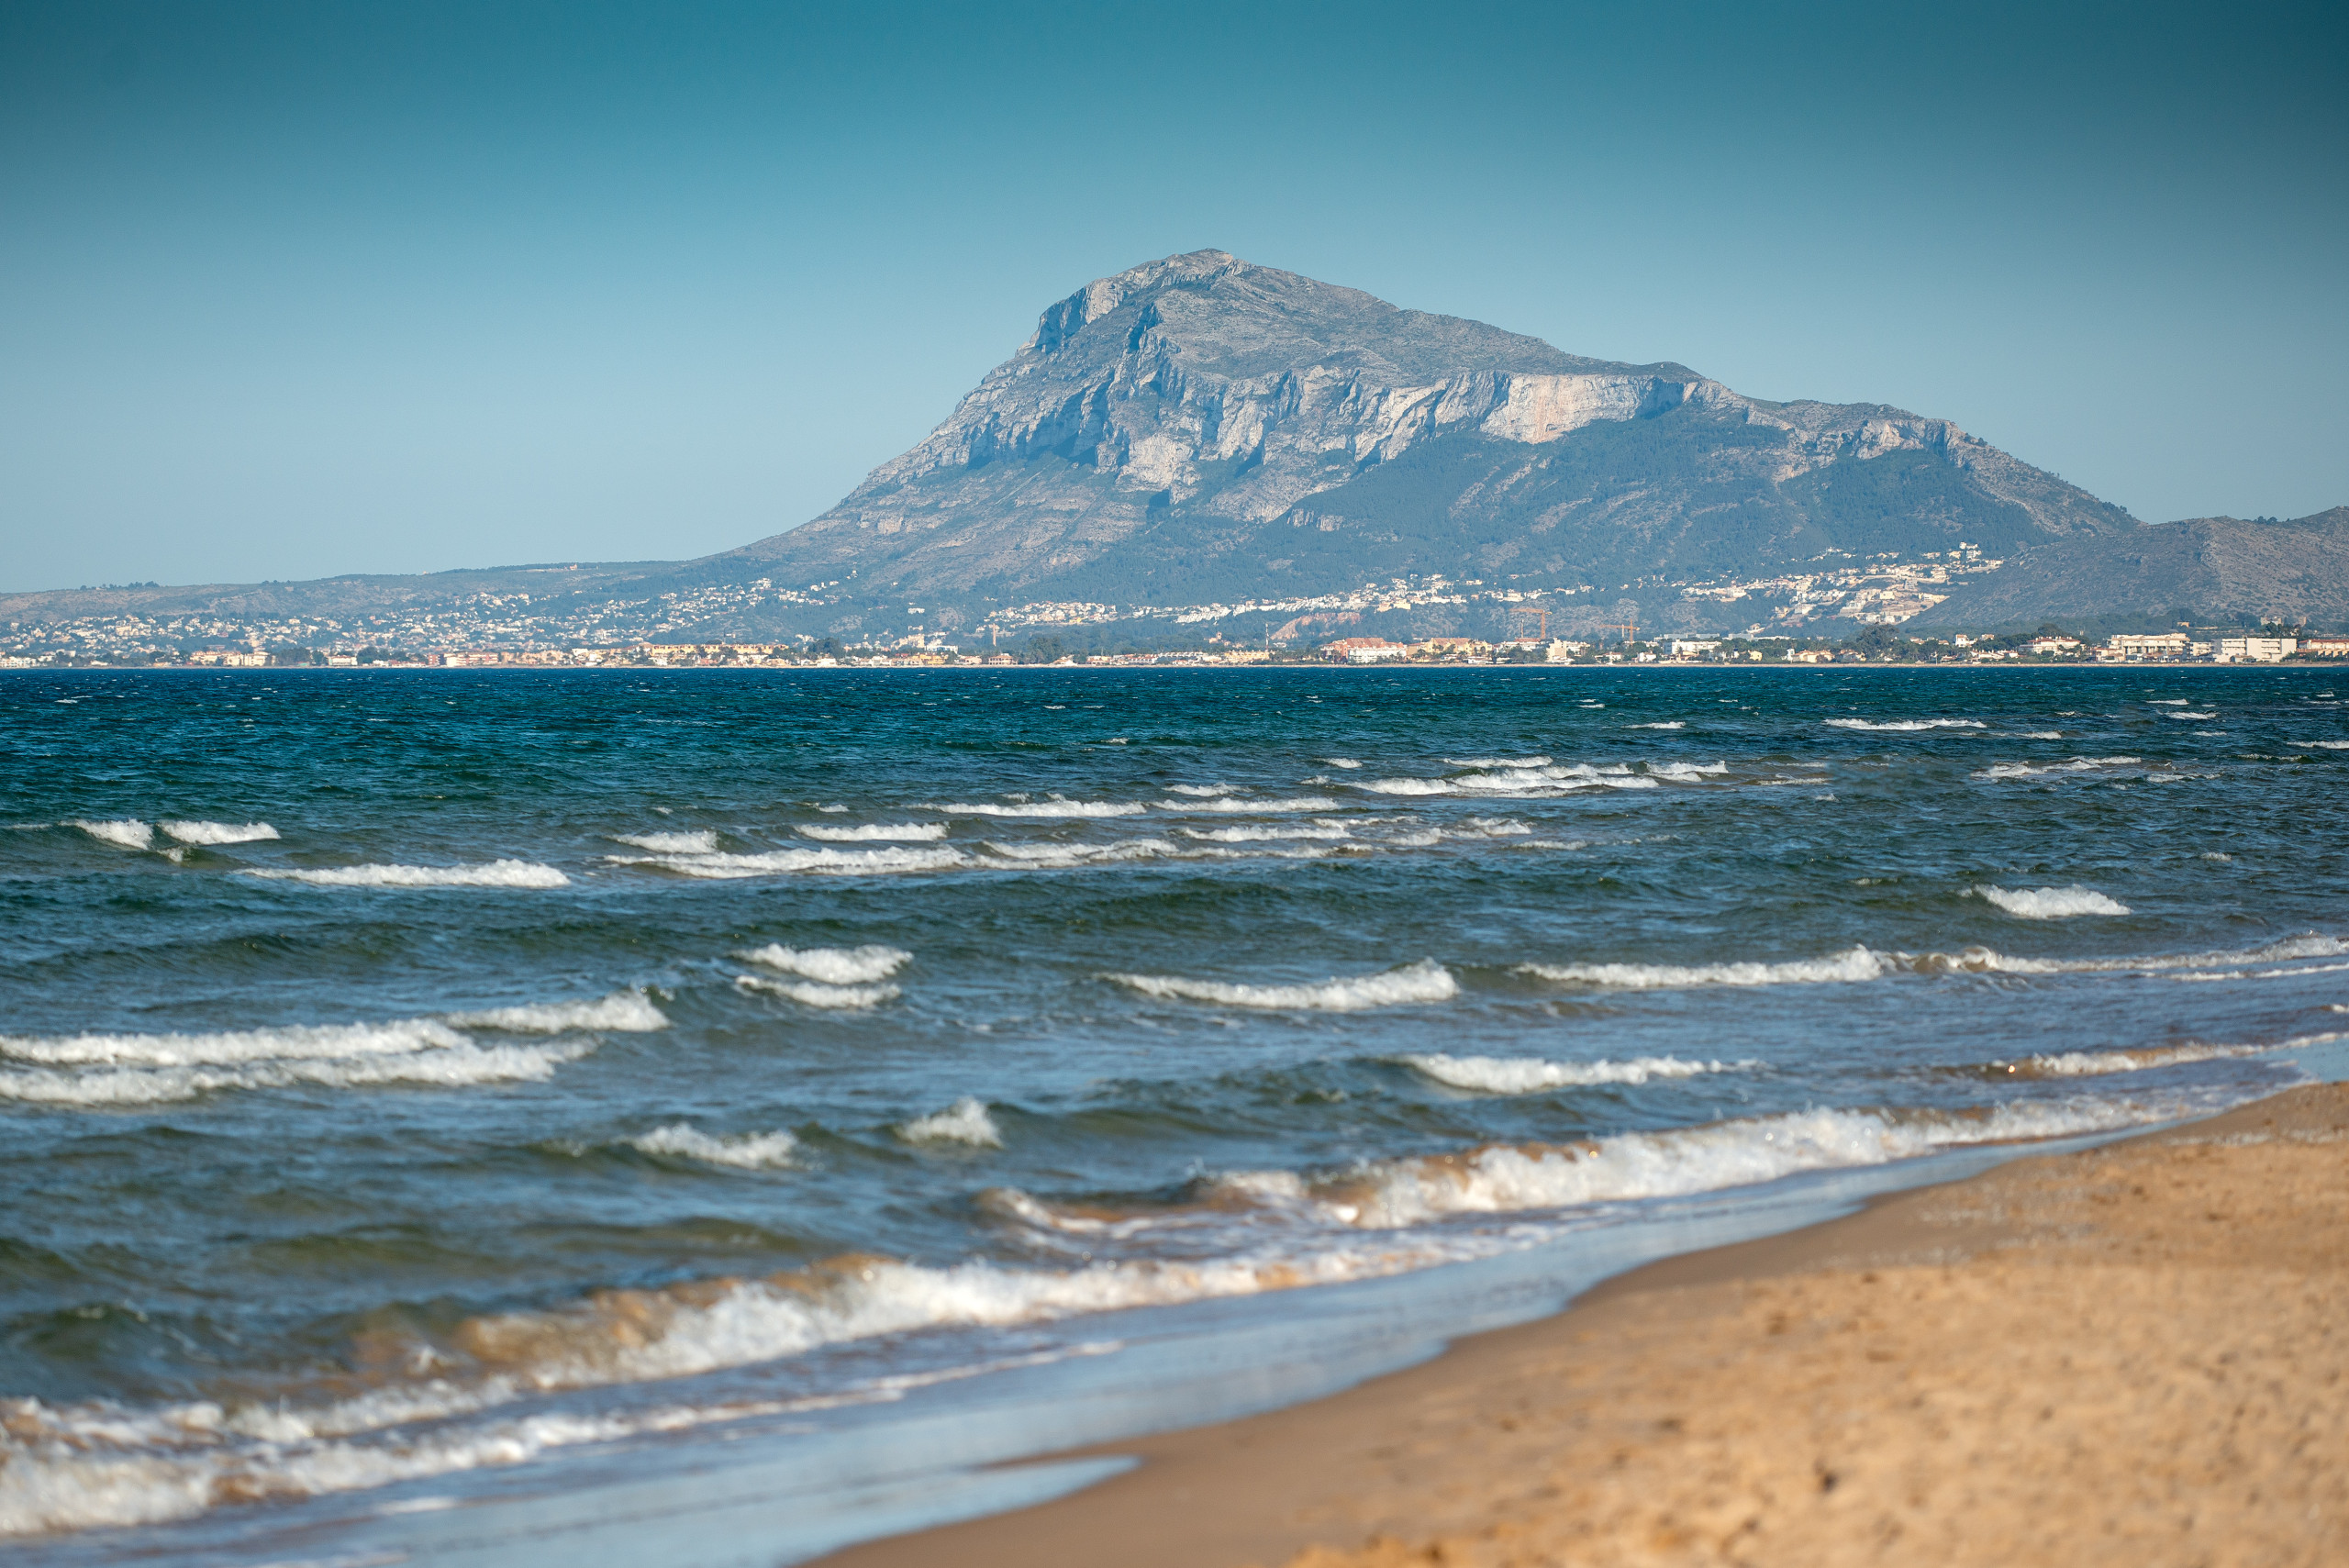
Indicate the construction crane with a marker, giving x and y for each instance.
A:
(1629, 628)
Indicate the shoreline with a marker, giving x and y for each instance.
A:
(2127, 1354)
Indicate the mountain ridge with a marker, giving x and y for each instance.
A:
(1201, 429)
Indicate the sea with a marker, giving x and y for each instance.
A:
(705, 1117)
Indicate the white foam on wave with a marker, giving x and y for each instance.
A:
(1706, 1159)
(153, 1069)
(878, 832)
(1687, 772)
(1341, 762)
(1532, 1075)
(2076, 765)
(1047, 857)
(1235, 804)
(833, 966)
(496, 873)
(1207, 790)
(1426, 980)
(123, 833)
(622, 1012)
(1908, 724)
(1667, 724)
(1408, 786)
(2050, 902)
(2035, 735)
(818, 862)
(2169, 702)
(1247, 835)
(1854, 963)
(2326, 745)
(702, 841)
(219, 832)
(2190, 717)
(744, 1150)
(964, 1121)
(2099, 1064)
(816, 993)
(1498, 761)
(1052, 807)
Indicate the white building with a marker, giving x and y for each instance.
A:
(2256, 649)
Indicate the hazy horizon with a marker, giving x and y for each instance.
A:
(294, 293)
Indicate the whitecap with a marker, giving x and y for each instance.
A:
(219, 832)
(1854, 963)
(1530, 1075)
(816, 993)
(496, 873)
(1341, 762)
(2050, 902)
(881, 832)
(622, 1012)
(1232, 803)
(745, 1150)
(1706, 1159)
(1062, 856)
(702, 841)
(1208, 790)
(819, 862)
(1248, 835)
(1053, 806)
(2076, 765)
(833, 966)
(2190, 717)
(964, 1121)
(123, 833)
(1668, 724)
(1426, 980)
(1908, 724)
(1498, 761)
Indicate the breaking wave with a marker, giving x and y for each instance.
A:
(1532, 1075)
(745, 1150)
(1854, 964)
(123, 833)
(1899, 724)
(2076, 765)
(1054, 806)
(700, 842)
(2052, 903)
(1427, 981)
(881, 832)
(497, 874)
(1233, 803)
(833, 966)
(153, 1068)
(964, 1121)
(820, 863)
(1507, 1178)
(219, 832)
(816, 993)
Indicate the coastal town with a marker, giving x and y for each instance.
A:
(1844, 610)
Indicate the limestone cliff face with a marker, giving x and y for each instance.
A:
(1194, 402)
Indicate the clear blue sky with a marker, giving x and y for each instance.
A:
(288, 290)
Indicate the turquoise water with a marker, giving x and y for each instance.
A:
(416, 1085)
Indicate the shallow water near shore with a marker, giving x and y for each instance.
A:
(429, 1095)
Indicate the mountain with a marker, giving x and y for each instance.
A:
(1200, 429)
(2212, 570)
(1202, 432)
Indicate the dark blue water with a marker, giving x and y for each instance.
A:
(407, 1078)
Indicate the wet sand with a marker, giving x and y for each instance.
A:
(2138, 1355)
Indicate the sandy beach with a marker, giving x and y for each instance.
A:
(2135, 1354)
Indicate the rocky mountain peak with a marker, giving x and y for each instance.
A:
(1202, 425)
